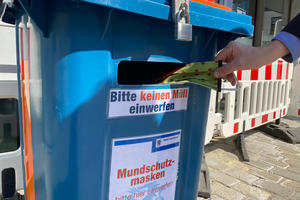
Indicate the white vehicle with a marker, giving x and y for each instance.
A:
(11, 177)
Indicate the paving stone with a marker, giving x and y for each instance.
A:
(296, 196)
(225, 192)
(253, 150)
(277, 189)
(291, 184)
(275, 162)
(260, 165)
(253, 147)
(238, 164)
(267, 156)
(288, 150)
(229, 147)
(231, 155)
(225, 156)
(251, 191)
(286, 173)
(272, 153)
(216, 197)
(216, 150)
(294, 163)
(241, 175)
(290, 156)
(276, 156)
(212, 163)
(266, 145)
(291, 121)
(250, 198)
(266, 175)
(222, 177)
(253, 156)
(268, 153)
(276, 197)
(294, 169)
(254, 143)
(265, 138)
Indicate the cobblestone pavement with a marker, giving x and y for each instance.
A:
(273, 172)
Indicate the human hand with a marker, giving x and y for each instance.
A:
(242, 57)
(236, 56)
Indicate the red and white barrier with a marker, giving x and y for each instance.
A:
(261, 96)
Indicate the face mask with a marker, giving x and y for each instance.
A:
(201, 73)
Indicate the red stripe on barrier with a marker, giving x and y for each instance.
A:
(264, 118)
(284, 111)
(298, 112)
(268, 72)
(279, 70)
(254, 74)
(274, 115)
(253, 122)
(287, 71)
(239, 75)
(236, 128)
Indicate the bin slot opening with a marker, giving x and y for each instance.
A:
(142, 72)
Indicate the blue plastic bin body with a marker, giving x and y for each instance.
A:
(75, 48)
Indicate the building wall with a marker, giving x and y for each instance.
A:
(295, 8)
(7, 45)
(295, 90)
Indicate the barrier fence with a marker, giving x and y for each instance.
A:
(261, 96)
(10, 150)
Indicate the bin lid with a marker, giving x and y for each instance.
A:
(200, 14)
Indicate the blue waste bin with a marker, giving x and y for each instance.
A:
(95, 123)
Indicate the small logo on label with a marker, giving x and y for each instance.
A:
(158, 143)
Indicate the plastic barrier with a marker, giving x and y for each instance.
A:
(261, 96)
(10, 153)
(10, 150)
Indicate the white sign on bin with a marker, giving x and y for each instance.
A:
(145, 102)
(145, 167)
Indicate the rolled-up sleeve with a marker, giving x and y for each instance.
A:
(292, 43)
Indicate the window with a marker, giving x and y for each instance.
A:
(9, 125)
(274, 20)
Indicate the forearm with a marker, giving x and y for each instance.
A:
(271, 52)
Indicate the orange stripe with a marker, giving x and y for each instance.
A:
(216, 5)
(22, 70)
(27, 137)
